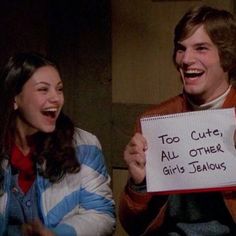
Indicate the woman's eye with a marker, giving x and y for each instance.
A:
(60, 89)
(43, 89)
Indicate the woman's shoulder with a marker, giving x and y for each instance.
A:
(88, 150)
(83, 137)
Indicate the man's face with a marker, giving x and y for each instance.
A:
(198, 62)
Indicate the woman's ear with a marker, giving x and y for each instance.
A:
(15, 104)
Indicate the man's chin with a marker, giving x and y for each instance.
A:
(191, 91)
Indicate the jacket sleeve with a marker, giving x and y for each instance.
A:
(139, 210)
(95, 213)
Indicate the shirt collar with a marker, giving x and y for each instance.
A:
(214, 104)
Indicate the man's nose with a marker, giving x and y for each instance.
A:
(188, 57)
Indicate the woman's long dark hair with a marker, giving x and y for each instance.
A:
(54, 152)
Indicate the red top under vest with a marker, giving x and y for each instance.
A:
(24, 164)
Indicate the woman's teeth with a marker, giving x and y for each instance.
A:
(50, 112)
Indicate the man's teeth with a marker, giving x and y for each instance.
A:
(193, 73)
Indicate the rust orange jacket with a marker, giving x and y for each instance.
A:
(143, 213)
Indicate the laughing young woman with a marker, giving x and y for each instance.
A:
(53, 179)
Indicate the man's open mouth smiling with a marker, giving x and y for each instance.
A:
(192, 73)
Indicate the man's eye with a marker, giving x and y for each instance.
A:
(201, 48)
(179, 48)
(179, 51)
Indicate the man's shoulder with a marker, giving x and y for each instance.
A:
(175, 104)
(230, 100)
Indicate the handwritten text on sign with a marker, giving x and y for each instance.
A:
(192, 150)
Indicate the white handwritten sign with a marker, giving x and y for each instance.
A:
(190, 151)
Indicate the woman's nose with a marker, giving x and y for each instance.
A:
(54, 95)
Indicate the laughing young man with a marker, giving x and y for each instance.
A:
(205, 56)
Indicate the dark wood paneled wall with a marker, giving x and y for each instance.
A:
(77, 35)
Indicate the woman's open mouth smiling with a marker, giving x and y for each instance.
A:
(50, 112)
